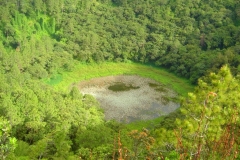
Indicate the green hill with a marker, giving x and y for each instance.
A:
(46, 45)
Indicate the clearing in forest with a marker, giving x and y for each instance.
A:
(128, 98)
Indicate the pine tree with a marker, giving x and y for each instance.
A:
(211, 114)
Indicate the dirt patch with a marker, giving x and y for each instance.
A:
(142, 102)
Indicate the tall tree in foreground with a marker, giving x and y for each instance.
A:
(7, 143)
(211, 127)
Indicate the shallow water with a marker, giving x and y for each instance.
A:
(130, 98)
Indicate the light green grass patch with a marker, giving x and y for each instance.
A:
(148, 124)
(81, 72)
(55, 79)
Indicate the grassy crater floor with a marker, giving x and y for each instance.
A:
(63, 80)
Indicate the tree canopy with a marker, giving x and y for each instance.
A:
(191, 38)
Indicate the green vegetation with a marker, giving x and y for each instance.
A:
(8, 144)
(149, 124)
(48, 45)
(121, 87)
(210, 120)
(85, 72)
(157, 87)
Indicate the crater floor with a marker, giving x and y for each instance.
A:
(147, 99)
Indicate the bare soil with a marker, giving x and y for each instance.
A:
(143, 103)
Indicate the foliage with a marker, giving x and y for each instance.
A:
(209, 129)
(64, 41)
(187, 40)
(42, 118)
(7, 143)
(212, 114)
(142, 144)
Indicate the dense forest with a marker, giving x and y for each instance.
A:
(195, 39)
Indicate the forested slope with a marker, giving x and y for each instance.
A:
(187, 37)
(40, 37)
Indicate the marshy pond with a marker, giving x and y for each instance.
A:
(128, 98)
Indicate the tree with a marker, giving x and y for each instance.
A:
(7, 143)
(211, 114)
(142, 144)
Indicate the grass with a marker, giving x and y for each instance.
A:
(82, 72)
(55, 79)
(148, 124)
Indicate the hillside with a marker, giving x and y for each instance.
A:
(187, 37)
(43, 39)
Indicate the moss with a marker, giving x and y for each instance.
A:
(158, 87)
(119, 86)
(165, 100)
